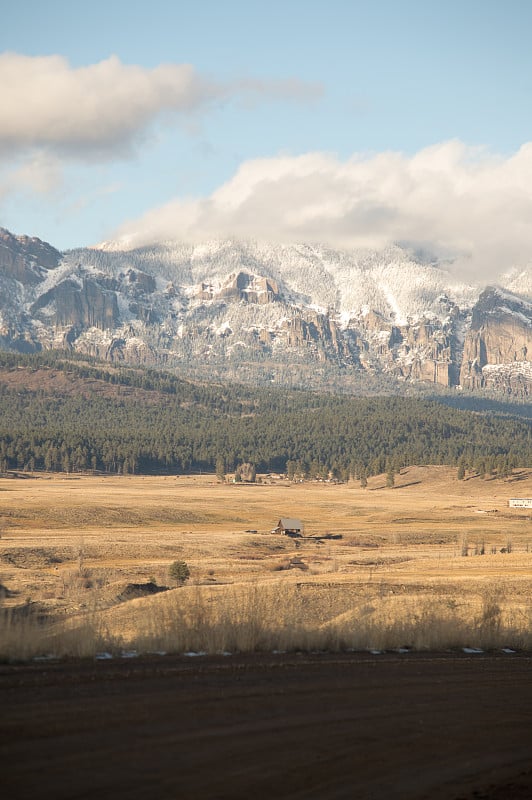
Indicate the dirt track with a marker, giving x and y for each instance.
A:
(323, 726)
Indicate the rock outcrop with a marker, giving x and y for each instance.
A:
(498, 345)
(79, 304)
(26, 259)
(242, 286)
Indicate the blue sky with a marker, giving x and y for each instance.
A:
(313, 101)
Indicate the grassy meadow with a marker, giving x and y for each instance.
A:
(432, 563)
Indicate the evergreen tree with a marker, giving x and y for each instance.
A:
(179, 572)
(220, 469)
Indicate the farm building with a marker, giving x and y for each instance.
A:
(297, 563)
(520, 502)
(289, 527)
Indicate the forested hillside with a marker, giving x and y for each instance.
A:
(59, 413)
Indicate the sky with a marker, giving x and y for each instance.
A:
(351, 123)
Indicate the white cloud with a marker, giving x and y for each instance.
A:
(461, 200)
(253, 90)
(53, 113)
(101, 109)
(48, 104)
(39, 174)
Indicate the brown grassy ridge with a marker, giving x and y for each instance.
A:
(57, 382)
(396, 578)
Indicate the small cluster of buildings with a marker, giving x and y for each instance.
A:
(520, 502)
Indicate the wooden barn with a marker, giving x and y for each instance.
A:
(289, 527)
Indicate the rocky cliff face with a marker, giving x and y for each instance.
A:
(77, 304)
(26, 259)
(25, 263)
(245, 287)
(498, 345)
(252, 309)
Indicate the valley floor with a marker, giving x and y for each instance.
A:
(431, 563)
(421, 570)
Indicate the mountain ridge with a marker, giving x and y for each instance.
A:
(270, 313)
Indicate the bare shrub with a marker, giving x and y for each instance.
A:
(464, 546)
(26, 636)
(275, 616)
(489, 622)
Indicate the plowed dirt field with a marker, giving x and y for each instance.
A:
(381, 727)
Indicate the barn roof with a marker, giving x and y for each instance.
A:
(290, 524)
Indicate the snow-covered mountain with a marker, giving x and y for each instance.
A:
(299, 314)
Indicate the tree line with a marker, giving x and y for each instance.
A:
(182, 426)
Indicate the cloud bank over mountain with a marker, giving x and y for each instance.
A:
(463, 203)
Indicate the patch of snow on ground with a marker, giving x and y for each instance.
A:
(343, 319)
(517, 314)
(224, 329)
(55, 276)
(513, 368)
(400, 318)
(123, 308)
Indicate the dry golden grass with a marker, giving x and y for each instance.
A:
(70, 544)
